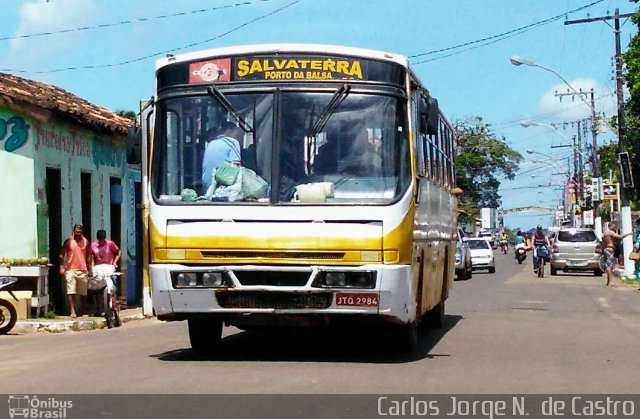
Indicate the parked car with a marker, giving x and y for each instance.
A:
(464, 269)
(576, 249)
(490, 237)
(481, 254)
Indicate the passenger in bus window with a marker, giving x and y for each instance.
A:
(363, 159)
(224, 147)
(326, 162)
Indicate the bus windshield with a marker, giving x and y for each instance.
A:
(330, 146)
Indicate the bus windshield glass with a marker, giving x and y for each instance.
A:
(304, 147)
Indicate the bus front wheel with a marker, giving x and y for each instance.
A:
(407, 337)
(435, 316)
(205, 334)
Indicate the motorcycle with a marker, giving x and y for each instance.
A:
(107, 286)
(521, 254)
(504, 245)
(8, 313)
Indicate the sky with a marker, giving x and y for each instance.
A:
(105, 51)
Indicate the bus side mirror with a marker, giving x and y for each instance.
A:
(134, 145)
(429, 116)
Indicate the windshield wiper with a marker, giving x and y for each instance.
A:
(339, 95)
(217, 94)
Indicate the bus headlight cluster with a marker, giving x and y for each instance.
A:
(346, 279)
(214, 279)
(186, 279)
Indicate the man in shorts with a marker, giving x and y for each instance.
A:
(75, 267)
(609, 244)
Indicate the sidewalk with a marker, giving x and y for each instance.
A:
(66, 323)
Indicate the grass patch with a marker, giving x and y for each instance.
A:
(48, 315)
(631, 281)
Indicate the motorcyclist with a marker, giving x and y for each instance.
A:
(519, 243)
(503, 241)
(539, 242)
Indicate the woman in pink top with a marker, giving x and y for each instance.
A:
(106, 256)
(105, 252)
(76, 270)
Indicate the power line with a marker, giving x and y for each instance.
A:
(508, 124)
(498, 37)
(132, 21)
(172, 50)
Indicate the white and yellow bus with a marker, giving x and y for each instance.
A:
(342, 205)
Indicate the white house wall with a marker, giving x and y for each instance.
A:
(17, 199)
(72, 150)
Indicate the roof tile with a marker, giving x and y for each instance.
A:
(62, 103)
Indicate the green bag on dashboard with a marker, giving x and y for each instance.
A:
(253, 186)
(226, 174)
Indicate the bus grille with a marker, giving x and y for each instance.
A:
(287, 279)
(235, 254)
(275, 300)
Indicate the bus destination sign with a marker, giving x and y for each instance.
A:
(276, 68)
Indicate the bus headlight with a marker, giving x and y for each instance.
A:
(332, 279)
(186, 279)
(199, 279)
(212, 279)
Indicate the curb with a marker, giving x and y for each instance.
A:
(77, 325)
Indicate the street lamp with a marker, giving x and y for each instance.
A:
(578, 161)
(518, 61)
(527, 124)
(576, 185)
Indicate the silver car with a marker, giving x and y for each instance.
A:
(464, 269)
(576, 249)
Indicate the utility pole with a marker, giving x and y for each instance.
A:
(595, 157)
(629, 265)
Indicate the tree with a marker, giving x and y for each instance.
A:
(481, 160)
(127, 114)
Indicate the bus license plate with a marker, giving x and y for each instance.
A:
(360, 299)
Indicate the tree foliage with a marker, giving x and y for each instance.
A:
(127, 114)
(482, 159)
(632, 107)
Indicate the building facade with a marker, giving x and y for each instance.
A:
(62, 162)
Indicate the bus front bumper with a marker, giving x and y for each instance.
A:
(390, 299)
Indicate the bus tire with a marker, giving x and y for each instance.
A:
(205, 334)
(435, 316)
(407, 337)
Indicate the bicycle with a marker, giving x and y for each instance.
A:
(541, 263)
(542, 253)
(109, 288)
(112, 306)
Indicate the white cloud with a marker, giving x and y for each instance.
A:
(572, 108)
(37, 16)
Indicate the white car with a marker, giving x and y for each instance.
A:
(481, 254)
(489, 236)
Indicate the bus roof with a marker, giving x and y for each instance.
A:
(287, 48)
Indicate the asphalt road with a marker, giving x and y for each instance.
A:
(507, 332)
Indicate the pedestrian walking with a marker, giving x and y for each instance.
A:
(106, 255)
(609, 243)
(75, 268)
